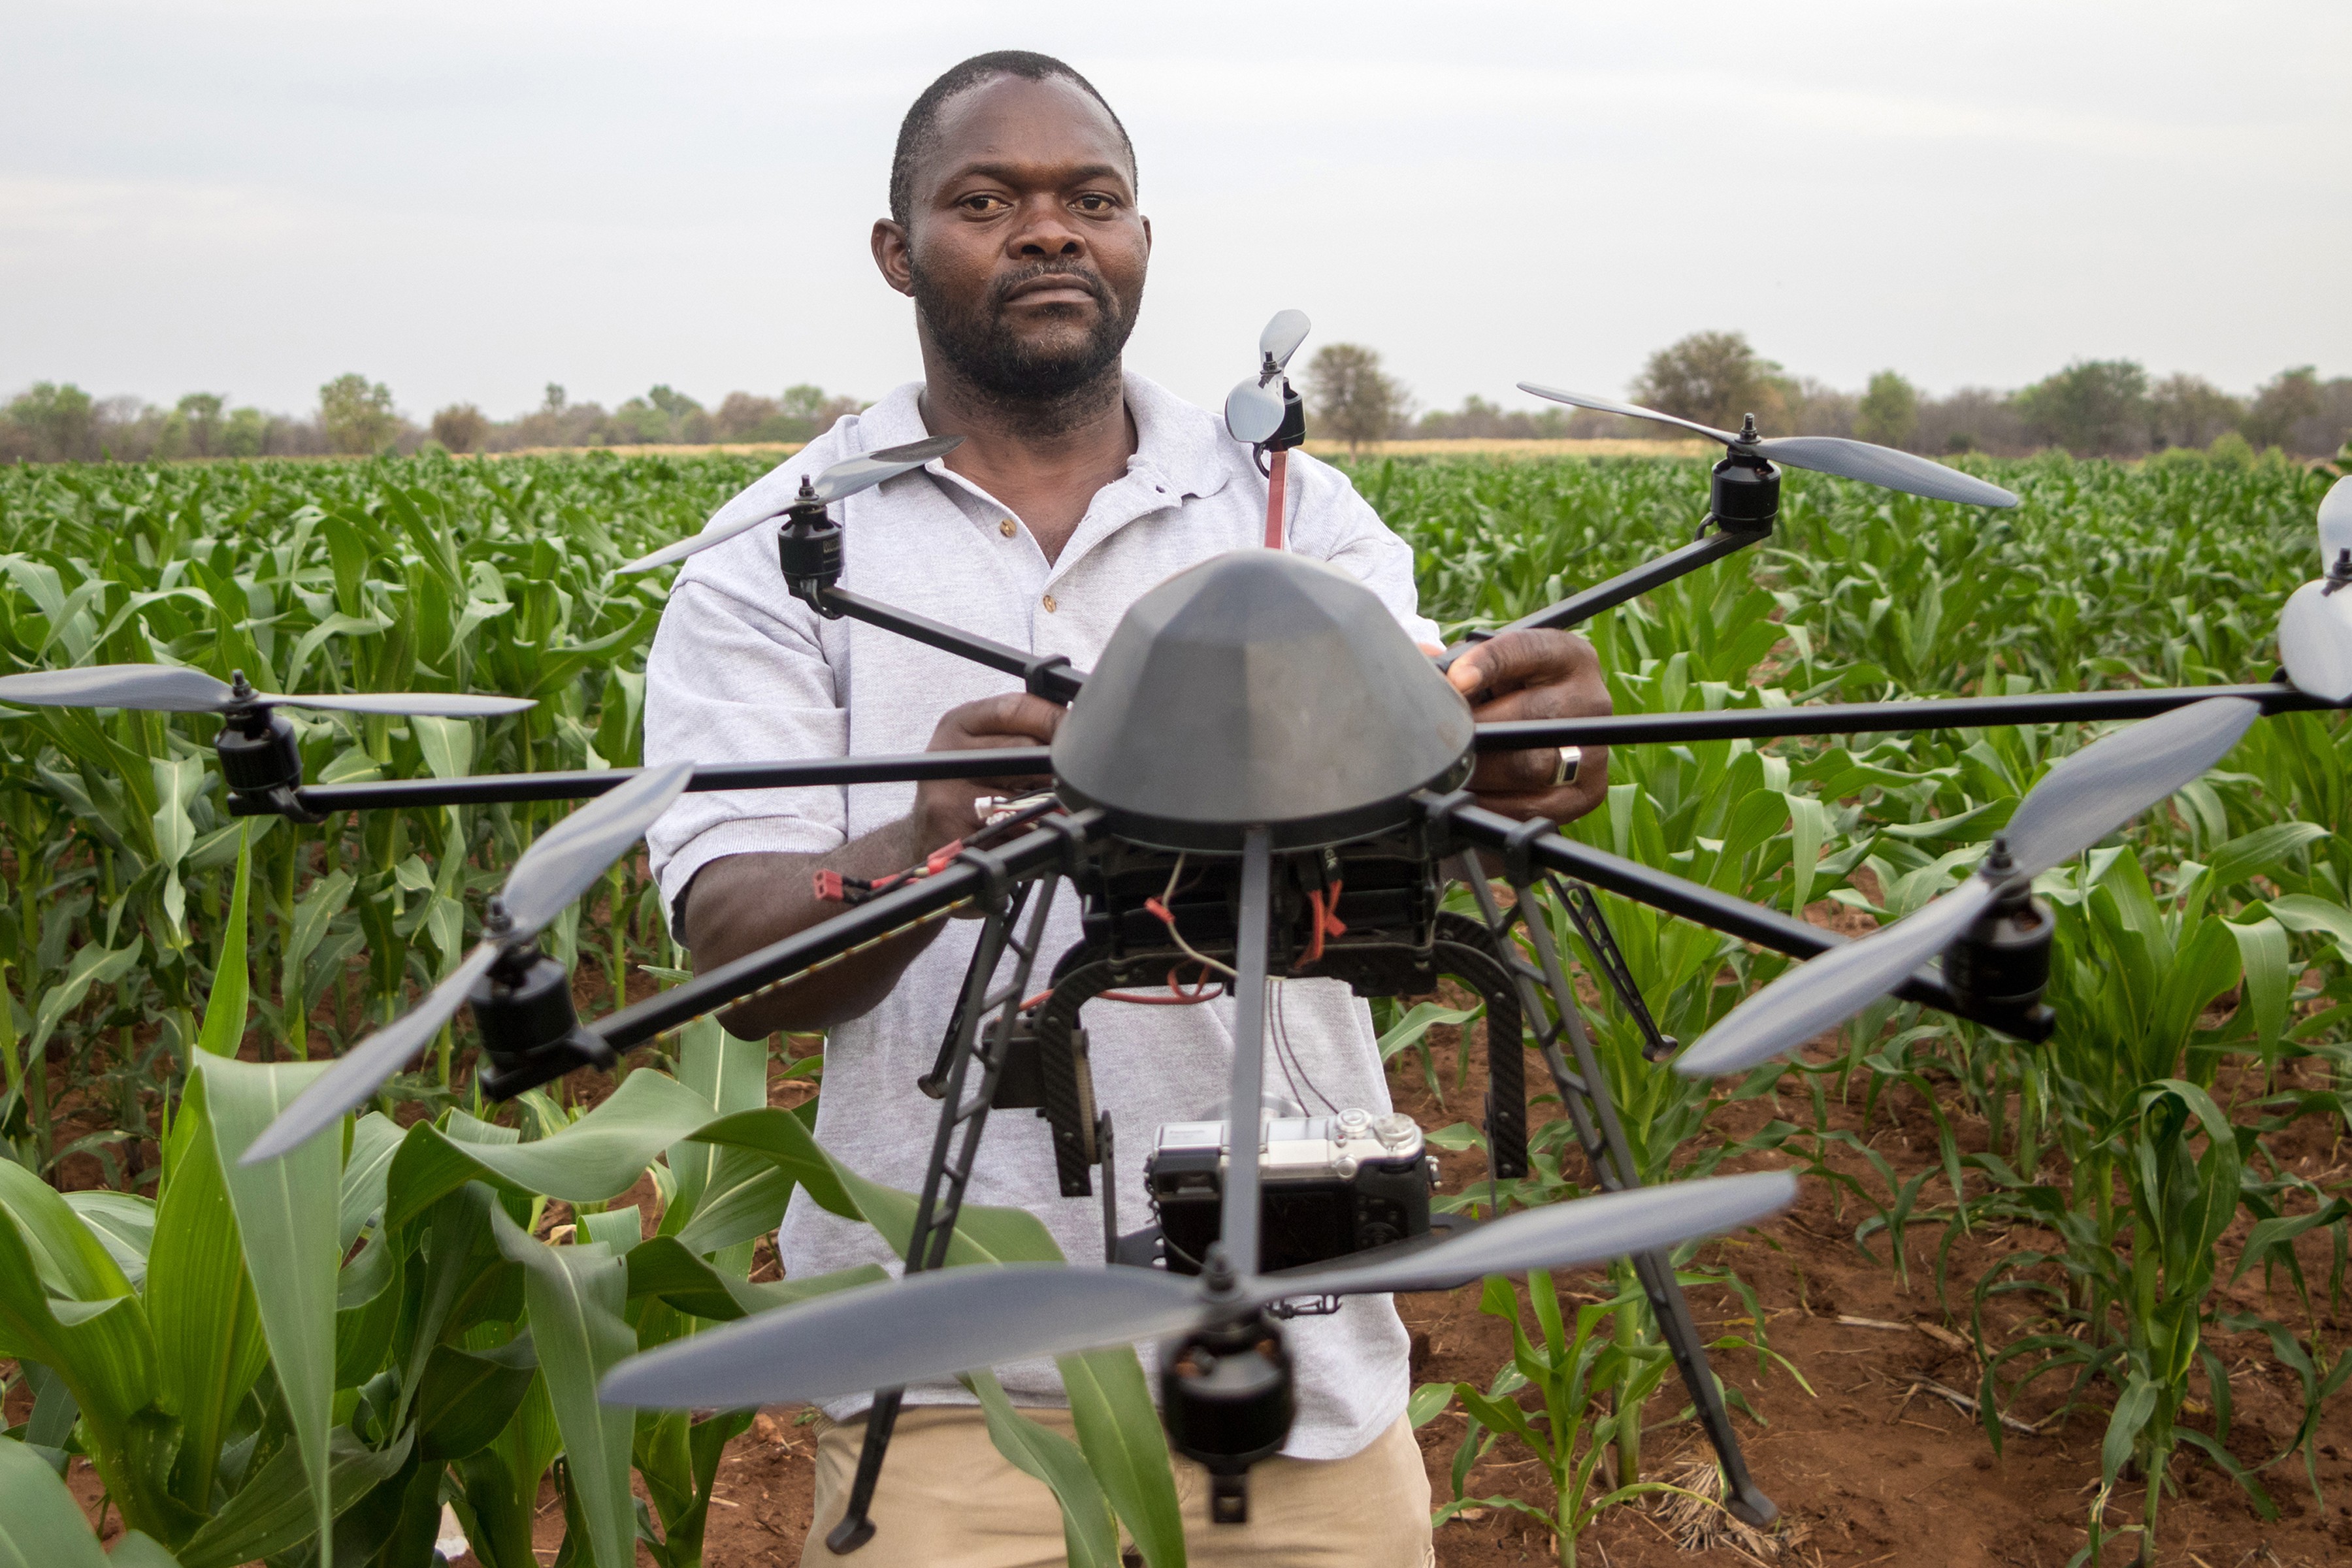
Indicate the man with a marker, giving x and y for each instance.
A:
(1014, 230)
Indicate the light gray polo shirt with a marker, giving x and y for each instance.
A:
(741, 671)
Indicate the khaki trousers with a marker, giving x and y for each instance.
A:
(949, 1499)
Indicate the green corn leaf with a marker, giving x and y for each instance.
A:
(99, 1347)
(65, 1254)
(447, 744)
(335, 627)
(2265, 959)
(576, 1296)
(321, 905)
(1427, 1402)
(375, 1139)
(272, 1512)
(224, 1011)
(2302, 912)
(288, 1221)
(368, 1299)
(135, 1550)
(1089, 1538)
(2261, 851)
(1423, 1017)
(1125, 1447)
(466, 1398)
(124, 1224)
(200, 1301)
(666, 1270)
(178, 782)
(92, 965)
(41, 1526)
(731, 1075)
(2132, 1411)
(597, 1158)
(1808, 830)
(620, 1230)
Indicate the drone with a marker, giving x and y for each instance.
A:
(1262, 779)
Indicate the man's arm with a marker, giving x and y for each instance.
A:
(741, 903)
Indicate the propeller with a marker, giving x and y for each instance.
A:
(934, 1325)
(1254, 407)
(2077, 803)
(2316, 631)
(175, 689)
(844, 478)
(564, 863)
(1881, 466)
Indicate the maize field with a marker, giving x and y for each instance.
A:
(312, 1370)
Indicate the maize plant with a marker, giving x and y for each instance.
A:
(306, 1360)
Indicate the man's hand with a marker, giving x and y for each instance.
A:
(1535, 675)
(948, 809)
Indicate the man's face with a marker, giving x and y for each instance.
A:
(1023, 249)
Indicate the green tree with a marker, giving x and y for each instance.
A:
(2092, 408)
(60, 419)
(1712, 377)
(245, 434)
(1352, 395)
(460, 426)
(200, 411)
(2281, 404)
(809, 411)
(1889, 413)
(2190, 411)
(356, 414)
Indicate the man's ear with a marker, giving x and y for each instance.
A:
(890, 254)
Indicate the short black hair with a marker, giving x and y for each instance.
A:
(920, 128)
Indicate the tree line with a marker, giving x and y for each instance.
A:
(2108, 408)
(54, 422)
(2090, 408)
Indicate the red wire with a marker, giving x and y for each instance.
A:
(1177, 995)
(1327, 921)
(1277, 481)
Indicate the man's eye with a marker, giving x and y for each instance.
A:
(1095, 204)
(984, 204)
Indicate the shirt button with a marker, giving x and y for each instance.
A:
(1006, 528)
(1048, 602)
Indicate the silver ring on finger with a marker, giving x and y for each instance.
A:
(1563, 772)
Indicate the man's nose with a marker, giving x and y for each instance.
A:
(1045, 230)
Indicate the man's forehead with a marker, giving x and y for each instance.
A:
(1048, 130)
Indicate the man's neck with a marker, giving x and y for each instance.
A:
(1045, 459)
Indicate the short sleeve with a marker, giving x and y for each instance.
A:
(737, 676)
(1336, 524)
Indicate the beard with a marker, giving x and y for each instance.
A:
(983, 350)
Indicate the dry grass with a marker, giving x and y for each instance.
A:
(1461, 448)
(1695, 1519)
(1474, 448)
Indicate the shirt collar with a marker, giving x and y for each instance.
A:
(1172, 437)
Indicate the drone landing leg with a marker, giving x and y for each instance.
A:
(1584, 1090)
(950, 1172)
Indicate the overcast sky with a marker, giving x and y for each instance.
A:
(468, 201)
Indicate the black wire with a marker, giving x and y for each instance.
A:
(1283, 1047)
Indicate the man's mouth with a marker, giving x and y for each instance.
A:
(1053, 288)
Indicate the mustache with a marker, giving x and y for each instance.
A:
(1086, 277)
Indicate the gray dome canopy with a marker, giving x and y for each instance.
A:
(1259, 688)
